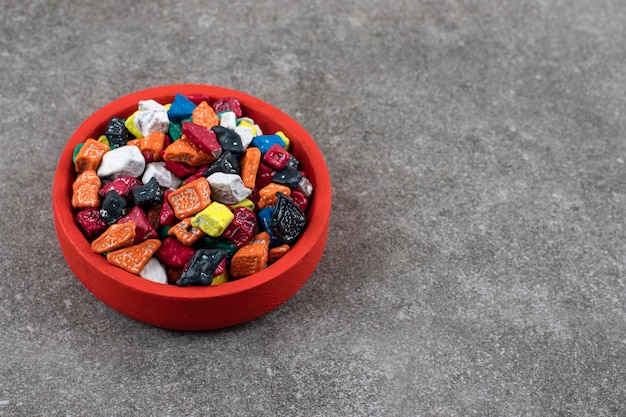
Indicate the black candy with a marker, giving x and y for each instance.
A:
(113, 207)
(288, 221)
(293, 163)
(149, 193)
(287, 176)
(227, 163)
(228, 139)
(201, 267)
(117, 133)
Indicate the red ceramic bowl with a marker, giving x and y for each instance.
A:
(195, 308)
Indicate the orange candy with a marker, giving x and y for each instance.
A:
(187, 152)
(152, 144)
(85, 190)
(190, 198)
(267, 194)
(277, 252)
(252, 257)
(90, 155)
(134, 258)
(204, 115)
(250, 166)
(185, 232)
(115, 237)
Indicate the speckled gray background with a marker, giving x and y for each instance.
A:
(476, 259)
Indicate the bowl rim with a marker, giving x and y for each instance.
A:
(318, 212)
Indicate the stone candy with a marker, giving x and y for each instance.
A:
(143, 229)
(285, 139)
(151, 117)
(148, 194)
(241, 228)
(265, 217)
(226, 163)
(154, 271)
(130, 125)
(187, 152)
(181, 170)
(265, 142)
(90, 155)
(190, 198)
(134, 258)
(277, 252)
(163, 176)
(300, 199)
(250, 166)
(251, 258)
(122, 185)
(173, 253)
(246, 133)
(200, 269)
(305, 186)
(117, 236)
(85, 190)
(150, 146)
(180, 109)
(205, 139)
(116, 132)
(91, 223)
(228, 104)
(113, 207)
(126, 161)
(214, 219)
(204, 115)
(186, 232)
(276, 156)
(228, 139)
(288, 221)
(167, 217)
(287, 176)
(227, 188)
(263, 176)
(228, 119)
(269, 192)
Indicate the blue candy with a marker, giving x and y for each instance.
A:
(264, 142)
(180, 108)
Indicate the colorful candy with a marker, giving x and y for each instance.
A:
(189, 193)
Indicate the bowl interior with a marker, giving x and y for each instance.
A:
(76, 247)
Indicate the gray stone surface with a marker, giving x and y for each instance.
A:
(477, 254)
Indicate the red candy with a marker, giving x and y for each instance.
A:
(241, 228)
(301, 200)
(204, 138)
(167, 217)
(91, 223)
(228, 103)
(122, 185)
(174, 254)
(143, 228)
(276, 157)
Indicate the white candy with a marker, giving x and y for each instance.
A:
(152, 120)
(145, 105)
(246, 134)
(305, 187)
(154, 271)
(228, 119)
(164, 177)
(126, 161)
(227, 188)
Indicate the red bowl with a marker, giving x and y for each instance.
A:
(195, 308)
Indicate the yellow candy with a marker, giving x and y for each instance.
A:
(220, 279)
(130, 125)
(214, 219)
(284, 138)
(246, 202)
(103, 139)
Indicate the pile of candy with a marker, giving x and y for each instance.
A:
(189, 193)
